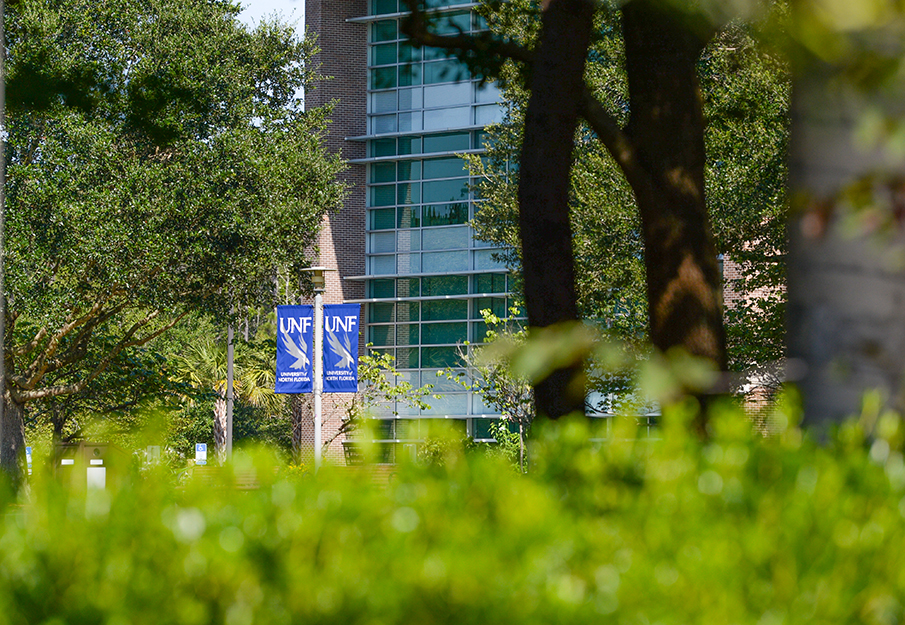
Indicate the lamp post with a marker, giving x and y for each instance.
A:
(320, 286)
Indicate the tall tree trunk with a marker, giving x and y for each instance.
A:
(846, 311)
(544, 180)
(684, 285)
(12, 440)
(220, 427)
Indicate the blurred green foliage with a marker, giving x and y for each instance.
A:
(739, 529)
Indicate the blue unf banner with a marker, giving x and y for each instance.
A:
(341, 327)
(295, 349)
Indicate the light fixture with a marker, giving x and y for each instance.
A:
(317, 278)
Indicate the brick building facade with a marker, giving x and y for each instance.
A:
(401, 245)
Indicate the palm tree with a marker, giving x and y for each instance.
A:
(203, 366)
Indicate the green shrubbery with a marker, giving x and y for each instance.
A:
(633, 530)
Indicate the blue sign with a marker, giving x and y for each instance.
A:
(341, 326)
(295, 349)
(200, 453)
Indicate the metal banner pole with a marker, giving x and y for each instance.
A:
(318, 375)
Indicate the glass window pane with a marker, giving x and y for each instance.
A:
(408, 241)
(382, 429)
(408, 429)
(409, 170)
(405, 410)
(438, 119)
(381, 288)
(407, 334)
(448, 95)
(409, 287)
(410, 145)
(382, 7)
(408, 263)
(445, 214)
(479, 332)
(409, 121)
(446, 190)
(409, 75)
(408, 53)
(408, 311)
(444, 285)
(383, 196)
(383, 77)
(383, 172)
(383, 242)
(488, 92)
(488, 114)
(383, 102)
(382, 219)
(480, 138)
(436, 262)
(442, 384)
(444, 309)
(384, 54)
(440, 357)
(446, 142)
(496, 305)
(380, 335)
(384, 30)
(483, 259)
(383, 265)
(410, 99)
(383, 147)
(412, 377)
(447, 405)
(409, 216)
(452, 23)
(408, 193)
(444, 167)
(445, 238)
(381, 312)
(489, 283)
(383, 124)
(407, 358)
(480, 428)
(450, 70)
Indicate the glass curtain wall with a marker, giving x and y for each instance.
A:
(427, 277)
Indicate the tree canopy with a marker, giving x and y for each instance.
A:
(745, 88)
(627, 92)
(184, 173)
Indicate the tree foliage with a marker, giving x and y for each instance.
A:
(651, 125)
(738, 529)
(185, 175)
(745, 87)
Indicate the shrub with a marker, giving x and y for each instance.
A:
(632, 530)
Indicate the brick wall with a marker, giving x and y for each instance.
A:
(758, 388)
(343, 64)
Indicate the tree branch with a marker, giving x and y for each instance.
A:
(38, 367)
(615, 139)
(126, 341)
(617, 142)
(415, 26)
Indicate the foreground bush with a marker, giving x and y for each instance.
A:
(634, 530)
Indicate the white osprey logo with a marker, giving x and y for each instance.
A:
(343, 351)
(299, 352)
